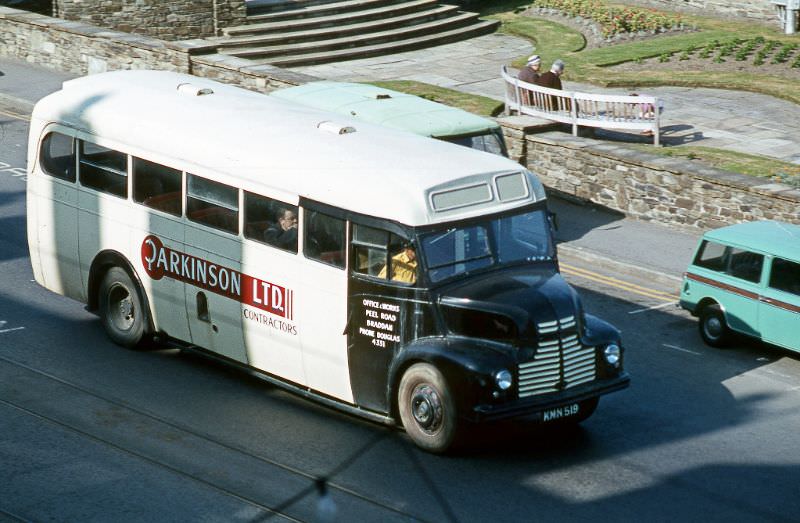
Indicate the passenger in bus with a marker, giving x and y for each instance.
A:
(283, 233)
(404, 265)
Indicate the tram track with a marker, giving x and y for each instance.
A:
(162, 429)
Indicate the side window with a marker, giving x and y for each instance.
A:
(270, 221)
(324, 238)
(383, 255)
(105, 170)
(711, 256)
(57, 156)
(745, 265)
(212, 203)
(157, 186)
(785, 276)
(369, 250)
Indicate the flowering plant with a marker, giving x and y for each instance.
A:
(615, 20)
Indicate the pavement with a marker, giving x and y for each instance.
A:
(736, 120)
(587, 233)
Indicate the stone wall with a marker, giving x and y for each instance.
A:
(648, 186)
(761, 10)
(173, 20)
(80, 48)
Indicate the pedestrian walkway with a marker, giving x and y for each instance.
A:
(735, 120)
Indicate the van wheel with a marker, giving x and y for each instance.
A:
(121, 309)
(427, 408)
(713, 329)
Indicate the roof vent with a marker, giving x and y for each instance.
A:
(335, 128)
(188, 89)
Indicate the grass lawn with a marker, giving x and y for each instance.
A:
(749, 164)
(473, 103)
(591, 65)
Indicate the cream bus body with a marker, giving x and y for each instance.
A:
(191, 254)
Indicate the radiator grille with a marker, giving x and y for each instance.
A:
(561, 362)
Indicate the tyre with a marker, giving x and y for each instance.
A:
(713, 329)
(121, 309)
(427, 408)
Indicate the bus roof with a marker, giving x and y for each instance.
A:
(259, 142)
(767, 236)
(387, 107)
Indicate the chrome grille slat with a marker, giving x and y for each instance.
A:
(560, 356)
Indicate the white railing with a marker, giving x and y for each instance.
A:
(635, 113)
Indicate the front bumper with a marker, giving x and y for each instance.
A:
(533, 406)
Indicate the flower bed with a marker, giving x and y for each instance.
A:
(615, 20)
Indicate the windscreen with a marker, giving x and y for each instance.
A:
(499, 241)
(490, 142)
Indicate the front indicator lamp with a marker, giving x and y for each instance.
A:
(503, 379)
(612, 354)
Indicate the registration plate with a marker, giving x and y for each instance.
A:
(564, 411)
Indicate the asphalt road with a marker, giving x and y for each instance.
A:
(92, 432)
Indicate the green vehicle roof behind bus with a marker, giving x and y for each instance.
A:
(395, 109)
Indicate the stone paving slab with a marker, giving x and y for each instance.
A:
(736, 120)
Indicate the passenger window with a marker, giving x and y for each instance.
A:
(711, 256)
(785, 276)
(270, 221)
(212, 203)
(745, 265)
(324, 238)
(157, 186)
(103, 169)
(57, 156)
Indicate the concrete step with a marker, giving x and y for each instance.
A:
(341, 30)
(317, 22)
(358, 40)
(260, 7)
(313, 57)
(324, 9)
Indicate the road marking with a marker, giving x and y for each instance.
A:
(675, 347)
(620, 284)
(3, 324)
(637, 311)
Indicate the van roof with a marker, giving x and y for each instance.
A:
(769, 237)
(276, 147)
(387, 107)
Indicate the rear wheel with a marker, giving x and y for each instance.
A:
(713, 328)
(121, 309)
(427, 408)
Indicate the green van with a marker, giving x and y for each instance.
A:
(400, 111)
(745, 278)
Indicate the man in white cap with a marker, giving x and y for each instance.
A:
(530, 73)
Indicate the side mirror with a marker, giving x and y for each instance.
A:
(553, 220)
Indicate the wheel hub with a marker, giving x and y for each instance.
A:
(713, 327)
(426, 407)
(121, 308)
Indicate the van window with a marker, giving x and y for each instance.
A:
(157, 186)
(212, 203)
(270, 221)
(711, 256)
(57, 156)
(785, 276)
(745, 265)
(324, 238)
(103, 169)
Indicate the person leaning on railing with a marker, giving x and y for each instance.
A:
(530, 74)
(552, 80)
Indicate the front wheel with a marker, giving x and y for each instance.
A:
(427, 408)
(121, 309)
(713, 328)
